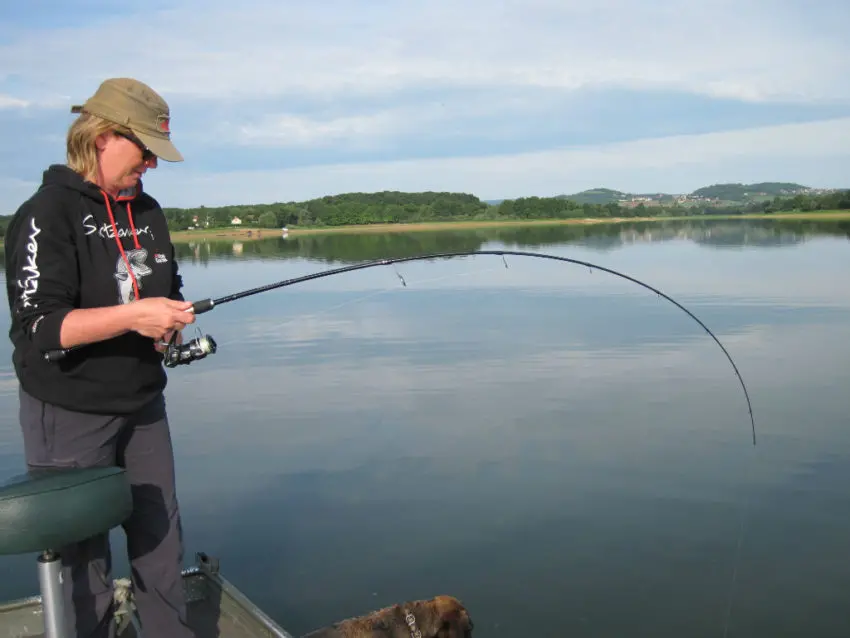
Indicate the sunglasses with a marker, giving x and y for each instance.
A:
(147, 154)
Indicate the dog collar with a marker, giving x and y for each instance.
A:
(410, 619)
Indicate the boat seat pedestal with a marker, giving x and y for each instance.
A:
(45, 510)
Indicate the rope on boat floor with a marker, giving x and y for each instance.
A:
(125, 608)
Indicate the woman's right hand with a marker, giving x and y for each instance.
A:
(155, 316)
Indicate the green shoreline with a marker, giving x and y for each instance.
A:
(264, 233)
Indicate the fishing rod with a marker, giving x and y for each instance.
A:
(204, 345)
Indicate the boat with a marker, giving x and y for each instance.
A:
(215, 609)
(43, 510)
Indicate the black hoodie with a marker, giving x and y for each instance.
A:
(61, 254)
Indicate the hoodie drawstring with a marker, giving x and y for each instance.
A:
(118, 240)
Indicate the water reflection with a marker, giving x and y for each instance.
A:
(344, 248)
(563, 450)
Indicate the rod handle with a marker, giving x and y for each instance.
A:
(200, 307)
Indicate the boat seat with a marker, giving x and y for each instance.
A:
(47, 509)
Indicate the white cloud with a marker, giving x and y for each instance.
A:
(642, 165)
(337, 48)
(9, 102)
(290, 130)
(435, 76)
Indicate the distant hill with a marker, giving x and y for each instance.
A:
(596, 196)
(749, 192)
(716, 193)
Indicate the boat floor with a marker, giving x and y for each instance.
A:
(204, 619)
(215, 609)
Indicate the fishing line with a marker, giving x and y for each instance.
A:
(363, 298)
(186, 353)
(742, 532)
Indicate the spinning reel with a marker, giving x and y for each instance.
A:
(184, 354)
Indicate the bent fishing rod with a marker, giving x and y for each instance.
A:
(204, 345)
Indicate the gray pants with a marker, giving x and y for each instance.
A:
(141, 443)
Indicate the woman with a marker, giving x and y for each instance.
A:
(90, 268)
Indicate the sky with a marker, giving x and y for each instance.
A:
(276, 100)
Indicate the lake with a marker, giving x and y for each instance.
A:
(562, 449)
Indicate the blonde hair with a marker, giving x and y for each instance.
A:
(81, 149)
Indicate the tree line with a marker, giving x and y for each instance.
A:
(390, 207)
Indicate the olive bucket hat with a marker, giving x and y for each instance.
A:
(137, 106)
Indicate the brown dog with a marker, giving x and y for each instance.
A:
(440, 617)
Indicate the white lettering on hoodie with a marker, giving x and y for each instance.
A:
(105, 230)
(29, 286)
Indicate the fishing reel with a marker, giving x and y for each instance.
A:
(186, 353)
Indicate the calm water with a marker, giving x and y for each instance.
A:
(563, 450)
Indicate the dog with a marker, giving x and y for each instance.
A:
(439, 617)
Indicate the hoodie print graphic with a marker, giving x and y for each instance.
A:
(136, 259)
